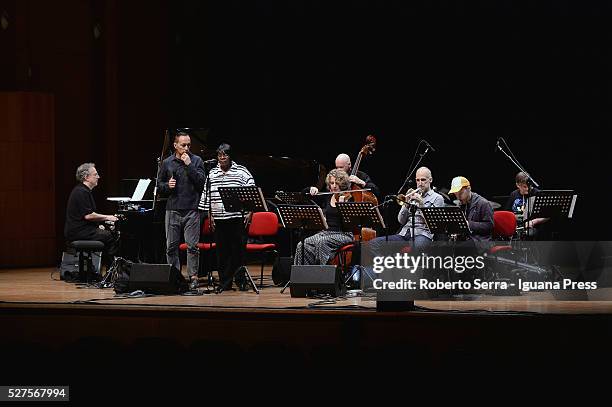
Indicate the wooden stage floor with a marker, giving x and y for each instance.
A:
(50, 325)
(38, 288)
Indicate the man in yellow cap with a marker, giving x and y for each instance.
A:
(477, 209)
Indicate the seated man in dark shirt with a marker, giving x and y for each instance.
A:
(477, 209)
(81, 217)
(519, 202)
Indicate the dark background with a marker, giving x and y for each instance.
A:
(313, 78)
(310, 79)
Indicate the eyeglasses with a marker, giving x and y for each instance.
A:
(221, 154)
(422, 179)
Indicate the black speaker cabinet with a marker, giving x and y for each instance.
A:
(308, 281)
(69, 269)
(156, 279)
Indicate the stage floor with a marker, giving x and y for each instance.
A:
(38, 288)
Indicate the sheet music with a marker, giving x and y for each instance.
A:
(138, 194)
(140, 190)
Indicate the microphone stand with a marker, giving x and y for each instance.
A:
(210, 279)
(159, 164)
(407, 180)
(530, 179)
(422, 155)
(515, 162)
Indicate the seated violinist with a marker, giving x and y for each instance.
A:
(360, 179)
(321, 247)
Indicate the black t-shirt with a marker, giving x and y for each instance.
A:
(80, 203)
(332, 216)
(516, 201)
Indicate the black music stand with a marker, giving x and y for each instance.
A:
(446, 219)
(552, 204)
(244, 199)
(449, 220)
(549, 204)
(357, 215)
(292, 198)
(301, 217)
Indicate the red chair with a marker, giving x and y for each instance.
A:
(206, 246)
(504, 228)
(263, 224)
(343, 259)
(343, 256)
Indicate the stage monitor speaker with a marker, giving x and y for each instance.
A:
(156, 279)
(394, 301)
(69, 268)
(308, 281)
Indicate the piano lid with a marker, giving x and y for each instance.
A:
(271, 173)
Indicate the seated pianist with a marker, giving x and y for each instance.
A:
(82, 221)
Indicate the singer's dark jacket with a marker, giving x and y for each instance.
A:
(189, 182)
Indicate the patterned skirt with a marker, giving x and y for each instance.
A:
(320, 248)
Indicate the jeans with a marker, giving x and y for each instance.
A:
(188, 222)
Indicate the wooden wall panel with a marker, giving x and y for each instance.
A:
(27, 200)
(109, 100)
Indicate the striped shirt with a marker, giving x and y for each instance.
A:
(236, 176)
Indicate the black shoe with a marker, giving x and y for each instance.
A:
(243, 286)
(220, 289)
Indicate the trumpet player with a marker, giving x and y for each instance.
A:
(422, 196)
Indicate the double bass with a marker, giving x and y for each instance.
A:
(344, 257)
(364, 196)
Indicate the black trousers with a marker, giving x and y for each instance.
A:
(230, 236)
(110, 240)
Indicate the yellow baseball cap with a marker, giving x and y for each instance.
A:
(458, 183)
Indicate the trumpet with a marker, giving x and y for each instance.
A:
(403, 199)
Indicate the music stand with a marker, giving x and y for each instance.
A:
(357, 215)
(291, 198)
(301, 217)
(549, 204)
(244, 199)
(449, 220)
(446, 219)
